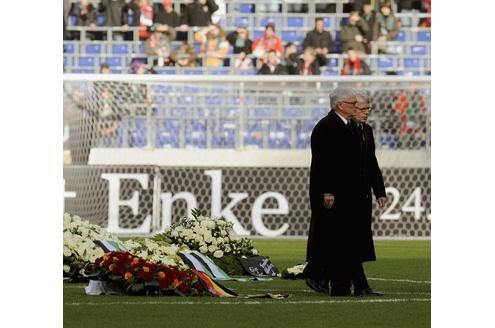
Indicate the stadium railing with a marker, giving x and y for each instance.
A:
(237, 112)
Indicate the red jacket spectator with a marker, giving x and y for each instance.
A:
(268, 41)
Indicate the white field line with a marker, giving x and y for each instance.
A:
(237, 302)
(378, 279)
(402, 280)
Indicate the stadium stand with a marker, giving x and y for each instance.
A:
(409, 54)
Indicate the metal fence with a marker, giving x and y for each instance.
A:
(276, 112)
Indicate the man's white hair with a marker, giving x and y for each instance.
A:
(341, 93)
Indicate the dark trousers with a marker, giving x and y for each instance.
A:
(343, 278)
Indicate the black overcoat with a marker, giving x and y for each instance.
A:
(370, 179)
(335, 155)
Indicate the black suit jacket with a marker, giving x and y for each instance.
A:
(370, 173)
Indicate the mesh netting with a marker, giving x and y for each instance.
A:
(263, 115)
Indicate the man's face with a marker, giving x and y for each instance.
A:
(319, 25)
(347, 108)
(367, 8)
(272, 58)
(353, 19)
(362, 111)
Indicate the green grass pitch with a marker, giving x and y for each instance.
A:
(402, 272)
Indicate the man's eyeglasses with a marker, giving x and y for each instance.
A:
(364, 109)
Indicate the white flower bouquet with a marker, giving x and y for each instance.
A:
(79, 247)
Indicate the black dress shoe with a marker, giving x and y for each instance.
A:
(367, 292)
(319, 286)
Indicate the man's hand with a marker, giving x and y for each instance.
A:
(328, 200)
(382, 201)
(358, 38)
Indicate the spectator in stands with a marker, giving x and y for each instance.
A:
(308, 64)
(85, 15)
(369, 16)
(239, 39)
(426, 7)
(159, 45)
(291, 58)
(113, 11)
(272, 66)
(184, 56)
(386, 26)
(141, 13)
(320, 40)
(167, 18)
(214, 45)
(353, 34)
(267, 42)
(198, 13)
(105, 68)
(354, 65)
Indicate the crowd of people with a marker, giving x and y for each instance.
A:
(368, 21)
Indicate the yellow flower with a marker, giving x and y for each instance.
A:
(176, 283)
(161, 275)
(128, 275)
(146, 269)
(135, 260)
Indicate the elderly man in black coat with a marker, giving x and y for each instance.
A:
(370, 179)
(340, 237)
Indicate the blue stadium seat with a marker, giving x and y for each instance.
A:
(86, 61)
(241, 21)
(66, 61)
(257, 34)
(292, 112)
(223, 134)
(213, 100)
(320, 112)
(195, 135)
(327, 22)
(72, 20)
(197, 47)
(385, 62)
(139, 132)
(114, 61)
(289, 36)
(179, 112)
(184, 99)
(92, 49)
(246, 8)
(254, 135)
(247, 72)
(116, 71)
(424, 36)
(333, 62)
(331, 72)
(219, 71)
(295, 21)
(401, 37)
(166, 71)
(230, 112)
(418, 50)
(120, 49)
(208, 112)
(263, 112)
(100, 20)
(193, 72)
(411, 62)
(263, 21)
(167, 133)
(69, 48)
(280, 134)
